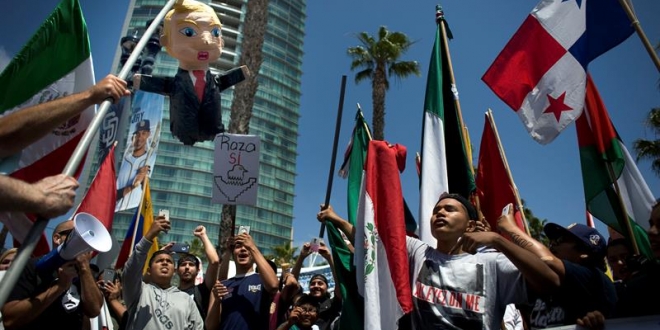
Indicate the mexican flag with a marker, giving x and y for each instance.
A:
(352, 169)
(606, 161)
(382, 261)
(444, 161)
(54, 63)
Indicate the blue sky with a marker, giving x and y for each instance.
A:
(548, 176)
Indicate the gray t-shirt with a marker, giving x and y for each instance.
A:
(466, 291)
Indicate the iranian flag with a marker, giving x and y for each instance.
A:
(54, 63)
(381, 259)
(606, 161)
(444, 164)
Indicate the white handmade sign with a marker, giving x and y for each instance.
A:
(236, 169)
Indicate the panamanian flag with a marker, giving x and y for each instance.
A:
(541, 72)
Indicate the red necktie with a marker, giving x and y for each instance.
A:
(199, 83)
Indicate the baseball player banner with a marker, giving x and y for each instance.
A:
(236, 169)
(140, 154)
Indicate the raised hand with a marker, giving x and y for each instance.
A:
(200, 231)
(109, 87)
(112, 290)
(306, 250)
(294, 316)
(159, 224)
(324, 251)
(59, 192)
(246, 241)
(168, 246)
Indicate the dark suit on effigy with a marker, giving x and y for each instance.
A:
(191, 120)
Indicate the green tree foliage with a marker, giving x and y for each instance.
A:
(197, 249)
(650, 149)
(535, 225)
(283, 254)
(377, 60)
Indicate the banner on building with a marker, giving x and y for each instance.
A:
(139, 156)
(236, 169)
(109, 130)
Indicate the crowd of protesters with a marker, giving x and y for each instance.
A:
(523, 284)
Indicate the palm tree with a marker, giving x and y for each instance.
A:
(197, 249)
(650, 149)
(283, 254)
(378, 60)
(254, 29)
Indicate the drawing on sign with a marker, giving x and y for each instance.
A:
(236, 169)
(235, 182)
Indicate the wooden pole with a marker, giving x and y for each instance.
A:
(642, 36)
(624, 209)
(137, 215)
(364, 123)
(334, 150)
(464, 131)
(491, 121)
(457, 104)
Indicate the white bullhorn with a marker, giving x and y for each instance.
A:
(88, 234)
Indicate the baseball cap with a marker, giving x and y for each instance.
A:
(142, 125)
(591, 238)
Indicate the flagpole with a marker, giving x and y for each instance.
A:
(638, 28)
(454, 90)
(137, 215)
(624, 209)
(500, 148)
(366, 128)
(38, 227)
(468, 149)
(334, 149)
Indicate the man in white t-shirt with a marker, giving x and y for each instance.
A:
(467, 280)
(134, 168)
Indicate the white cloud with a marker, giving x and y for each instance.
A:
(5, 58)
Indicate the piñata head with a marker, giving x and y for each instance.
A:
(192, 34)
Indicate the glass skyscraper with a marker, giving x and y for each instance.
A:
(182, 177)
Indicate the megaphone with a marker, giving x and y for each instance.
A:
(88, 234)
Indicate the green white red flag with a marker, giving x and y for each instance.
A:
(609, 172)
(444, 164)
(54, 63)
(381, 258)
